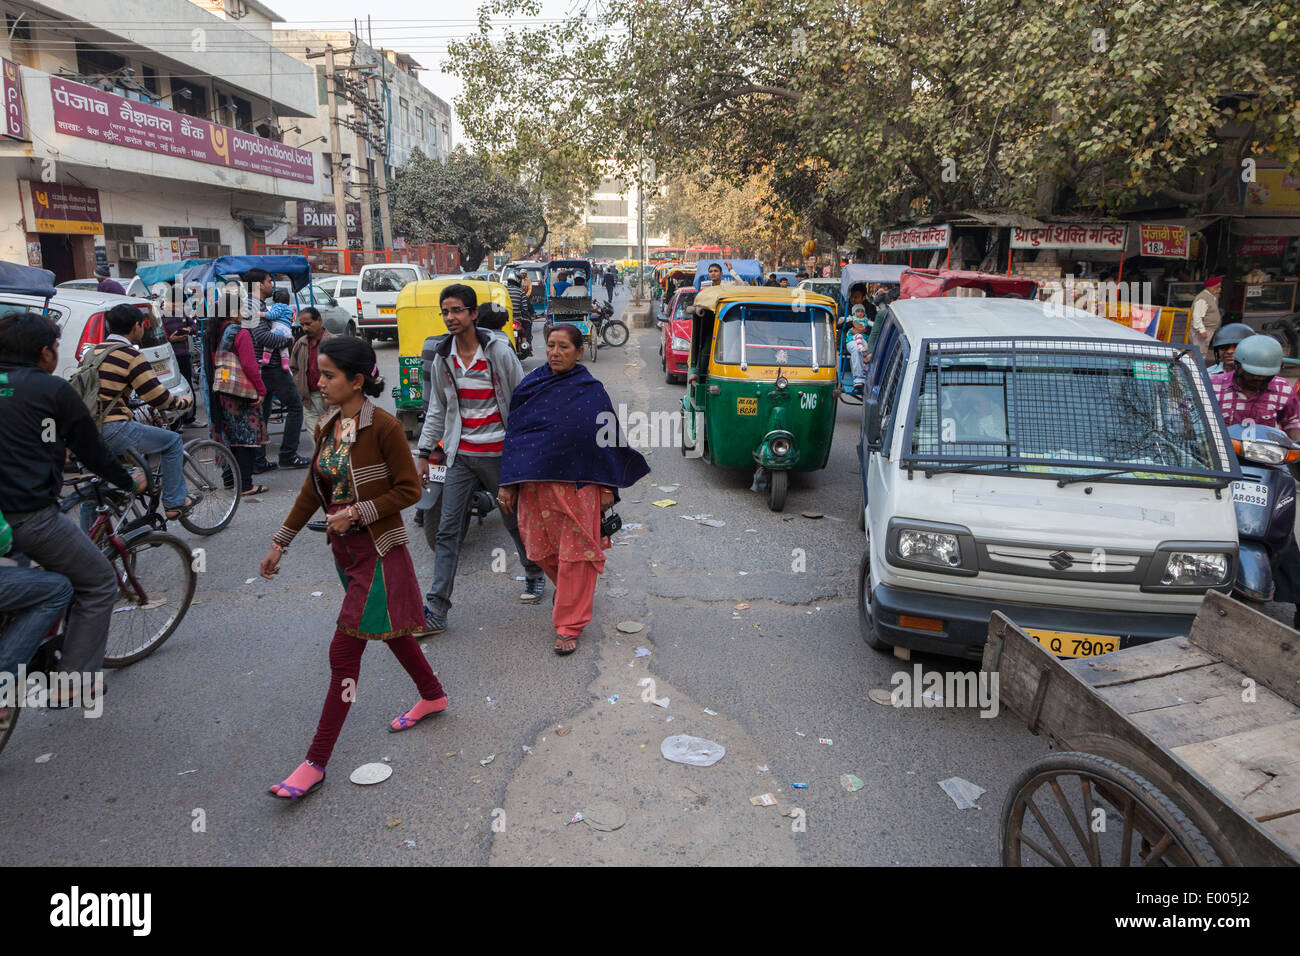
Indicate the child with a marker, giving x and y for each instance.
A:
(281, 313)
(857, 346)
(492, 317)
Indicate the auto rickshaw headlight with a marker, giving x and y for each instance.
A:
(781, 383)
(781, 447)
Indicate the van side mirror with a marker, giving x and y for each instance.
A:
(871, 420)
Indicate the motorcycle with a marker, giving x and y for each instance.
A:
(523, 342)
(1264, 500)
(428, 512)
(611, 331)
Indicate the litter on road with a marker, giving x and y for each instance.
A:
(630, 627)
(881, 696)
(763, 800)
(371, 773)
(661, 702)
(562, 731)
(963, 792)
(763, 768)
(799, 786)
(613, 698)
(487, 760)
(825, 740)
(663, 503)
(851, 782)
(713, 522)
(742, 607)
(683, 748)
(813, 514)
(44, 758)
(711, 713)
(604, 816)
(642, 652)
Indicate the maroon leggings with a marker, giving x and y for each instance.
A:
(345, 664)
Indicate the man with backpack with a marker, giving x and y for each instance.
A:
(111, 371)
(41, 416)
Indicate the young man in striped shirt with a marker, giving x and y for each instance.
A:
(124, 370)
(468, 376)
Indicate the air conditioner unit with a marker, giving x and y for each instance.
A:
(126, 250)
(210, 250)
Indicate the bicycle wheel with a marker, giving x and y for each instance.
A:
(592, 345)
(208, 466)
(156, 582)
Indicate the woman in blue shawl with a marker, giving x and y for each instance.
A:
(560, 469)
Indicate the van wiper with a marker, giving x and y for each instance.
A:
(953, 469)
(1071, 479)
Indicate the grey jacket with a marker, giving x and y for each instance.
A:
(442, 410)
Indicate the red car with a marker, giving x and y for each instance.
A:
(675, 340)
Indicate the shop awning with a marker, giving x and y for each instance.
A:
(1258, 226)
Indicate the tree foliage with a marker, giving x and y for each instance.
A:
(708, 210)
(462, 200)
(863, 112)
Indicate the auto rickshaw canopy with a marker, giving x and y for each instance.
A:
(931, 283)
(713, 298)
(419, 313)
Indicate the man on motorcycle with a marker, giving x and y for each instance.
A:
(1224, 345)
(520, 306)
(1254, 392)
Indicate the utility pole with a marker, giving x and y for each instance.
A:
(336, 165)
(381, 176)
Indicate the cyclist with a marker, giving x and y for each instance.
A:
(41, 416)
(125, 370)
(33, 600)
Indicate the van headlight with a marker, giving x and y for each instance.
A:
(938, 548)
(1200, 569)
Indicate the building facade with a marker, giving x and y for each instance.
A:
(145, 131)
(611, 216)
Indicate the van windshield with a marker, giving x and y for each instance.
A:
(1066, 409)
(776, 336)
(386, 280)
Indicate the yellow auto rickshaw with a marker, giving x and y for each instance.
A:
(419, 316)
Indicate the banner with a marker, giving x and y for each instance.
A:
(83, 111)
(65, 209)
(316, 219)
(1263, 245)
(915, 237)
(11, 90)
(1163, 242)
(1066, 235)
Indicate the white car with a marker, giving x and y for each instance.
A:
(134, 286)
(80, 315)
(344, 291)
(377, 288)
(1037, 460)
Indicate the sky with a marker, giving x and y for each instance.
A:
(421, 28)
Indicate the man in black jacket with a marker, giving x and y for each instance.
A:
(41, 416)
(273, 358)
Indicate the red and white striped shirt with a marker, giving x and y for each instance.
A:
(482, 431)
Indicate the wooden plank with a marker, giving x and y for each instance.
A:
(1142, 662)
(1258, 770)
(1287, 830)
(1254, 643)
(1198, 704)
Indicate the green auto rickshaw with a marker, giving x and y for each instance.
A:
(761, 385)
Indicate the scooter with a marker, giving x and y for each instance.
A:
(1264, 500)
(429, 508)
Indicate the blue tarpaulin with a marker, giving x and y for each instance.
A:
(167, 271)
(751, 270)
(26, 280)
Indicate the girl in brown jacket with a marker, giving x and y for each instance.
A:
(362, 475)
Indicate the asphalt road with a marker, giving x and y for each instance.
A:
(176, 770)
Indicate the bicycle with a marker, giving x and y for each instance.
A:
(140, 556)
(210, 470)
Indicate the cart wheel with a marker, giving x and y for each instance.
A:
(1072, 809)
(778, 482)
(592, 345)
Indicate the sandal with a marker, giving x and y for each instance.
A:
(191, 502)
(561, 640)
(296, 793)
(406, 721)
(255, 490)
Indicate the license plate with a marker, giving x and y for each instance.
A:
(1250, 492)
(1068, 644)
(164, 367)
(437, 474)
(388, 310)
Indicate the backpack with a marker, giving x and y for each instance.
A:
(85, 381)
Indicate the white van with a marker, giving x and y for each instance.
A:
(377, 288)
(1034, 459)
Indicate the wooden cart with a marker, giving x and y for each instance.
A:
(1183, 752)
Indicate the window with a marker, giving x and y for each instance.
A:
(609, 207)
(196, 105)
(21, 31)
(776, 337)
(322, 87)
(419, 122)
(446, 138)
(405, 115)
(92, 61)
(204, 235)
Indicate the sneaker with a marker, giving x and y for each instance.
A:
(534, 588)
(419, 518)
(264, 467)
(297, 461)
(433, 624)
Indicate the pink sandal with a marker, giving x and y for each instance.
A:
(425, 708)
(296, 793)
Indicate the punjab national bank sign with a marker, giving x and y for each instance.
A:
(88, 113)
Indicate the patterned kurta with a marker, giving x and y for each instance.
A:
(559, 518)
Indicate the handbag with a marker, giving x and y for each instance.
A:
(610, 522)
(228, 375)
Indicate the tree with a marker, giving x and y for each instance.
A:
(868, 111)
(461, 200)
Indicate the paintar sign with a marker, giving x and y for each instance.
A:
(88, 113)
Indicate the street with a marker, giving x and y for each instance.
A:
(177, 768)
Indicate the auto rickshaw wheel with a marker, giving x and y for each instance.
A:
(866, 624)
(1071, 809)
(777, 484)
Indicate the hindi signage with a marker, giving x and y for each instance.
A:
(1264, 245)
(11, 90)
(316, 219)
(1106, 236)
(1164, 242)
(88, 113)
(65, 209)
(914, 238)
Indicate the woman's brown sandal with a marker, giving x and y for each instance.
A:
(561, 640)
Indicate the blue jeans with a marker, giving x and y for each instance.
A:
(35, 599)
(145, 440)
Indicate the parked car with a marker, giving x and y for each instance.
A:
(344, 290)
(377, 288)
(80, 314)
(134, 286)
(675, 335)
(337, 319)
(1039, 461)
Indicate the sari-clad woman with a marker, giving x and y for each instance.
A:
(561, 466)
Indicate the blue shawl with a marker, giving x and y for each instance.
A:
(556, 431)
